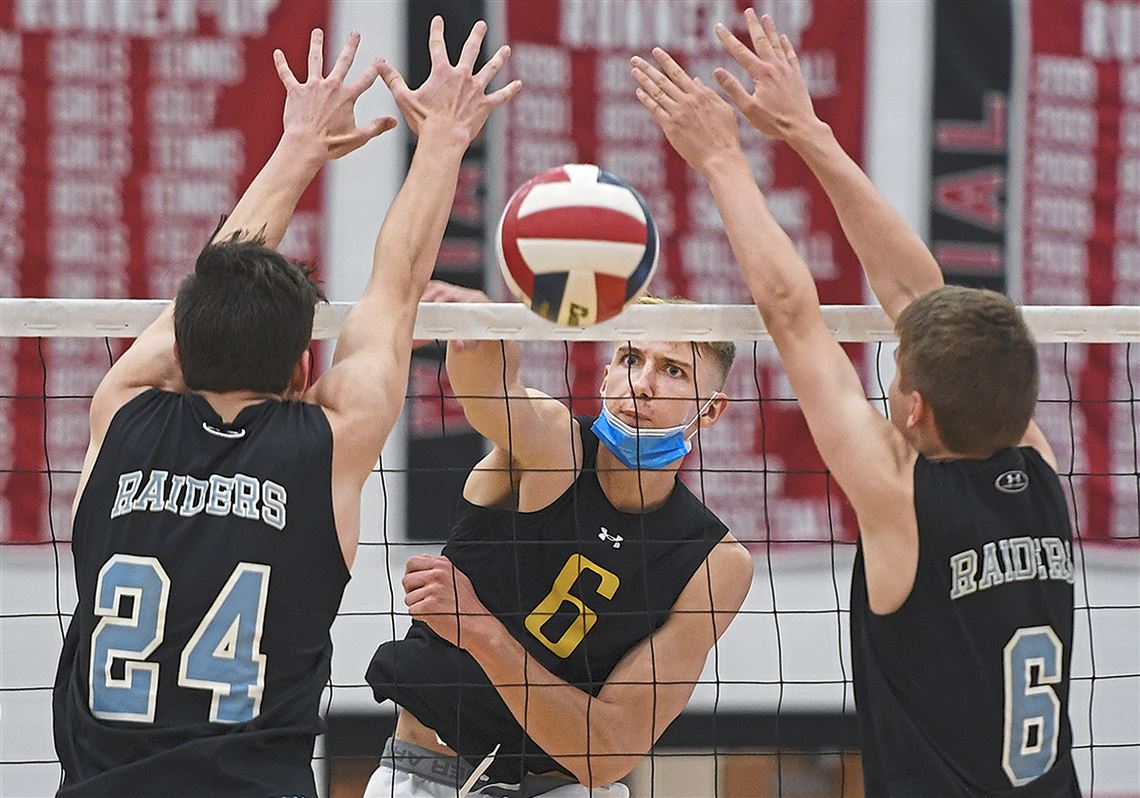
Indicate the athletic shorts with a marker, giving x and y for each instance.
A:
(409, 771)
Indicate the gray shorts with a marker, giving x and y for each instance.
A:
(409, 771)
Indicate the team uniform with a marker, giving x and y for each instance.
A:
(964, 690)
(208, 572)
(577, 583)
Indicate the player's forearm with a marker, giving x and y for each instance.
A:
(777, 278)
(405, 252)
(897, 262)
(483, 369)
(267, 205)
(584, 734)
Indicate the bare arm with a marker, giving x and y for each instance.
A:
(897, 262)
(533, 427)
(847, 430)
(318, 126)
(599, 739)
(529, 425)
(363, 391)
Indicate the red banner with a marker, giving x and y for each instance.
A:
(759, 470)
(127, 130)
(1080, 227)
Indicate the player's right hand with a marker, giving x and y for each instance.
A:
(440, 291)
(697, 121)
(453, 98)
(320, 110)
(779, 105)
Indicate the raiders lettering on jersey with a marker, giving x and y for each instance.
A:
(241, 496)
(1022, 558)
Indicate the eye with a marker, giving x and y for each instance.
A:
(629, 360)
(674, 371)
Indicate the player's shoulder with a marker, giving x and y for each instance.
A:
(724, 577)
(892, 486)
(732, 558)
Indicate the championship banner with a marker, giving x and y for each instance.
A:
(1067, 112)
(127, 130)
(758, 469)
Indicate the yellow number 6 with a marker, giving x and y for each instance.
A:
(560, 594)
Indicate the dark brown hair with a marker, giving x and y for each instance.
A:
(243, 318)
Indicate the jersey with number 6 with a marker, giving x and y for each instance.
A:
(964, 690)
(578, 583)
(208, 573)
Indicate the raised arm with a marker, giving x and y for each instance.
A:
(898, 264)
(598, 739)
(868, 457)
(318, 125)
(533, 426)
(364, 390)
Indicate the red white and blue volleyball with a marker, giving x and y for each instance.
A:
(577, 244)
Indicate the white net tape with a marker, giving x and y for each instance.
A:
(126, 318)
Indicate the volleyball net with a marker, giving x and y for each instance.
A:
(774, 704)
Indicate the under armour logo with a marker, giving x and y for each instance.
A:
(1012, 481)
(615, 539)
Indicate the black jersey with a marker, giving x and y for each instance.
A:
(208, 572)
(964, 690)
(577, 583)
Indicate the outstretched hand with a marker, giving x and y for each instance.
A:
(453, 97)
(779, 104)
(696, 120)
(322, 106)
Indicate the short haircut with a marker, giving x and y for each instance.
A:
(243, 318)
(970, 355)
(723, 352)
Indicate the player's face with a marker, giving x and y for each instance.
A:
(655, 384)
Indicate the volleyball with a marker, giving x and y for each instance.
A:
(576, 244)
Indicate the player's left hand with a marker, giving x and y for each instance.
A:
(321, 108)
(697, 121)
(440, 595)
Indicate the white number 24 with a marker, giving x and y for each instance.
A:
(222, 656)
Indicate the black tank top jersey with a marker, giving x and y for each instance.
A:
(964, 690)
(208, 573)
(532, 570)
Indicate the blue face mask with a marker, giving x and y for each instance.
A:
(647, 449)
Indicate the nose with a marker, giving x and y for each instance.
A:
(642, 379)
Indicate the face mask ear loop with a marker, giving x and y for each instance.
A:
(701, 412)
